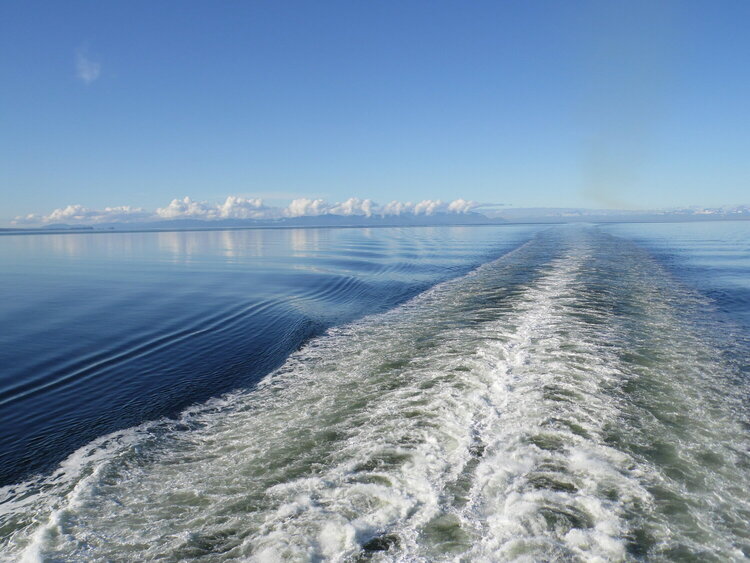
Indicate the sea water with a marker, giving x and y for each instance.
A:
(520, 393)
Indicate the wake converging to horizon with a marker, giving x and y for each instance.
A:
(571, 399)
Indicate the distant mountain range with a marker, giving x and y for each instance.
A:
(505, 215)
(328, 220)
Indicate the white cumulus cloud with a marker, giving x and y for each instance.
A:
(78, 214)
(184, 208)
(236, 207)
(461, 206)
(242, 208)
(354, 206)
(304, 207)
(233, 207)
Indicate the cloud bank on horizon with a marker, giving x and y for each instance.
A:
(236, 207)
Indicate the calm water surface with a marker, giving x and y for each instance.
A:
(519, 393)
(101, 331)
(711, 257)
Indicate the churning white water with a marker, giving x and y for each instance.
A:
(560, 403)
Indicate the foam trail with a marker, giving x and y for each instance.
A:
(557, 404)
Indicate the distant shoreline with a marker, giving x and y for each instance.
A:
(92, 229)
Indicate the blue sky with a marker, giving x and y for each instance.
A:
(595, 104)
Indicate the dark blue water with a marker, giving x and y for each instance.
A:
(570, 392)
(103, 331)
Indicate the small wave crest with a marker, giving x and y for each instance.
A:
(556, 404)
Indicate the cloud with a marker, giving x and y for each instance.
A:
(354, 206)
(244, 208)
(304, 207)
(78, 214)
(236, 207)
(461, 206)
(87, 70)
(429, 207)
(368, 208)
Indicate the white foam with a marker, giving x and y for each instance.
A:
(470, 423)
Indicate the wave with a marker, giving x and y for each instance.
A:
(559, 403)
(91, 366)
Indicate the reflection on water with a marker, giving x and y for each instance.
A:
(100, 331)
(303, 241)
(185, 246)
(569, 401)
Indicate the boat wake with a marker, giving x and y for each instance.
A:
(559, 403)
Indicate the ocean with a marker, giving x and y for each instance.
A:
(484, 393)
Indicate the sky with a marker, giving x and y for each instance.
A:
(134, 106)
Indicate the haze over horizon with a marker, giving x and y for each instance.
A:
(139, 110)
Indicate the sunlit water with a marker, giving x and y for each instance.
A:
(103, 331)
(582, 395)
